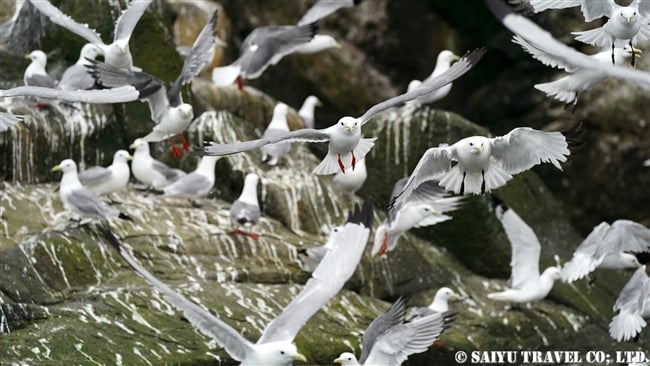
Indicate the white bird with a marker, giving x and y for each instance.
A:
(278, 126)
(388, 340)
(443, 63)
(568, 88)
(197, 183)
(77, 76)
(275, 346)
(171, 115)
(633, 306)
(606, 246)
(35, 73)
(80, 200)
(113, 178)
(526, 284)
(318, 43)
(245, 211)
(311, 257)
(440, 304)
(351, 181)
(426, 206)
(306, 111)
(7, 120)
(116, 53)
(561, 53)
(485, 163)
(150, 171)
(346, 146)
(323, 8)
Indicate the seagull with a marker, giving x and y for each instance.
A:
(526, 282)
(424, 207)
(117, 53)
(77, 76)
(111, 179)
(646, 163)
(80, 200)
(197, 183)
(443, 63)
(323, 8)
(7, 120)
(311, 257)
(351, 181)
(346, 146)
(568, 88)
(484, 163)
(121, 94)
(278, 126)
(388, 340)
(245, 211)
(35, 73)
(606, 246)
(633, 305)
(306, 111)
(275, 346)
(440, 304)
(150, 171)
(561, 53)
(167, 108)
(318, 43)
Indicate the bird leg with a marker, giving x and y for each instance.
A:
(483, 184)
(384, 245)
(237, 232)
(175, 151)
(341, 165)
(186, 146)
(354, 159)
(253, 235)
(613, 62)
(41, 105)
(633, 54)
(462, 184)
(240, 83)
(437, 343)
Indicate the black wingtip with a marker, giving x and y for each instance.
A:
(573, 138)
(521, 7)
(124, 216)
(473, 57)
(313, 28)
(110, 237)
(498, 8)
(362, 215)
(448, 317)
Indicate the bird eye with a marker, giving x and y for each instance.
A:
(471, 144)
(349, 358)
(281, 352)
(341, 123)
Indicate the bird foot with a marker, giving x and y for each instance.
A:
(437, 343)
(175, 151)
(41, 105)
(253, 236)
(384, 246)
(354, 159)
(240, 83)
(237, 232)
(341, 165)
(186, 146)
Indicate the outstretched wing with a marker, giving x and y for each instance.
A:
(57, 17)
(129, 18)
(587, 256)
(630, 304)
(627, 236)
(122, 94)
(323, 8)
(7, 120)
(383, 323)
(544, 57)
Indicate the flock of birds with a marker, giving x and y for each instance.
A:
(437, 185)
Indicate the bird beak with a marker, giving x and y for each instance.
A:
(349, 128)
(476, 150)
(221, 43)
(434, 213)
(28, 57)
(57, 168)
(130, 157)
(299, 357)
(637, 52)
(132, 146)
(628, 19)
(457, 297)
(456, 58)
(338, 360)
(338, 45)
(319, 104)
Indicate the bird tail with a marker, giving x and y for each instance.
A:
(495, 177)
(155, 136)
(458, 182)
(556, 90)
(501, 296)
(597, 37)
(625, 326)
(329, 165)
(225, 75)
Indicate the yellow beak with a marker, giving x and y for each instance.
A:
(132, 146)
(338, 45)
(434, 213)
(476, 150)
(299, 357)
(456, 58)
(28, 57)
(57, 168)
(338, 360)
(628, 19)
(349, 128)
(129, 157)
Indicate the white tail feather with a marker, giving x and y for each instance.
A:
(626, 326)
(597, 37)
(555, 90)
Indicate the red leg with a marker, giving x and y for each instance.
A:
(240, 83)
(437, 343)
(341, 166)
(253, 236)
(354, 159)
(237, 232)
(175, 151)
(42, 105)
(384, 246)
(186, 146)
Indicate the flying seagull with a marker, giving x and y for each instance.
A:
(311, 257)
(171, 115)
(150, 171)
(116, 53)
(526, 284)
(346, 146)
(121, 94)
(275, 347)
(245, 211)
(113, 178)
(633, 306)
(606, 247)
(443, 63)
(440, 304)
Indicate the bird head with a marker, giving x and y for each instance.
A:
(630, 261)
(139, 145)
(186, 110)
(629, 51)
(90, 51)
(552, 273)
(122, 45)
(312, 99)
(445, 293)
(346, 359)
(628, 14)
(414, 84)
(447, 56)
(280, 353)
(280, 110)
(122, 156)
(38, 57)
(476, 146)
(349, 125)
(66, 166)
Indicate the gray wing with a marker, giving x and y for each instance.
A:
(129, 18)
(428, 191)
(94, 175)
(587, 256)
(76, 77)
(88, 203)
(302, 135)
(456, 70)
(638, 285)
(7, 120)
(244, 213)
(327, 280)
(122, 94)
(323, 8)
(419, 312)
(228, 338)
(44, 81)
(197, 59)
(391, 318)
(543, 40)
(110, 76)
(191, 184)
(627, 236)
(57, 17)
(162, 168)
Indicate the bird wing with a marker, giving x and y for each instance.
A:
(94, 175)
(383, 323)
(643, 6)
(587, 256)
(524, 147)
(129, 18)
(246, 211)
(40, 80)
(323, 8)
(302, 135)
(456, 70)
(593, 10)
(197, 59)
(87, 202)
(122, 94)
(111, 76)
(428, 192)
(627, 236)
(227, 337)
(57, 17)
(543, 40)
(525, 247)
(544, 57)
(635, 292)
(7, 120)
(328, 278)
(190, 184)
(162, 168)
(541, 5)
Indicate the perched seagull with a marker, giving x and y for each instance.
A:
(526, 283)
(122, 94)
(440, 304)
(263, 47)
(306, 111)
(561, 53)
(111, 179)
(388, 340)
(35, 73)
(351, 181)
(633, 305)
(171, 115)
(197, 183)
(245, 211)
(80, 200)
(311, 257)
(424, 207)
(150, 171)
(606, 246)
(278, 126)
(77, 76)
(117, 53)
(275, 346)
(568, 88)
(7, 120)
(346, 146)
(443, 63)
(323, 8)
